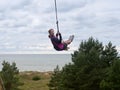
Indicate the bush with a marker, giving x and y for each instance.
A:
(36, 78)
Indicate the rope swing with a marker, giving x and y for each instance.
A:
(57, 39)
(56, 16)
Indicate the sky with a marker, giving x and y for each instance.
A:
(24, 24)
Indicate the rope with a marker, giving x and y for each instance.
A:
(56, 16)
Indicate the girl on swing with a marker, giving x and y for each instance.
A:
(57, 42)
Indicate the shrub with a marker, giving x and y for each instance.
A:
(36, 78)
(10, 77)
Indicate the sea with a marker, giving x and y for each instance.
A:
(36, 62)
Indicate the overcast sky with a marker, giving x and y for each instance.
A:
(24, 24)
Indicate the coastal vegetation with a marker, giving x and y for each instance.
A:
(34, 80)
(93, 67)
(12, 79)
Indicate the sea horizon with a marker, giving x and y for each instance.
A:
(36, 62)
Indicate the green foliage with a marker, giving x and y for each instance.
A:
(110, 54)
(112, 82)
(9, 75)
(36, 78)
(55, 79)
(90, 66)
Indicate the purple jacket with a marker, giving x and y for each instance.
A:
(56, 41)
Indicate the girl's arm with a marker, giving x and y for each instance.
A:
(60, 37)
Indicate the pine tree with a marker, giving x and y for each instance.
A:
(112, 81)
(109, 55)
(90, 66)
(55, 79)
(9, 75)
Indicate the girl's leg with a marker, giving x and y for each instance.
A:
(67, 42)
(71, 38)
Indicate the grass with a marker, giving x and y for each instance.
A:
(30, 84)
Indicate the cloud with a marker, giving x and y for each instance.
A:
(24, 23)
(8, 5)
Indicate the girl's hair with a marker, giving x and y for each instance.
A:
(49, 32)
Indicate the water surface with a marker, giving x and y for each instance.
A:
(36, 62)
